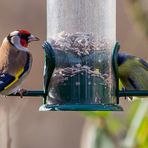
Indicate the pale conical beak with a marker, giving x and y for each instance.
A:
(33, 38)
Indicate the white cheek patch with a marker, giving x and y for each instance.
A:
(16, 42)
(14, 33)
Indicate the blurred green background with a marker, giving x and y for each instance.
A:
(21, 125)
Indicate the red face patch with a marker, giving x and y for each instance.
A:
(24, 32)
(23, 43)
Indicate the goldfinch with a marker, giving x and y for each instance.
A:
(15, 61)
(133, 72)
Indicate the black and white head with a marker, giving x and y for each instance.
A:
(21, 38)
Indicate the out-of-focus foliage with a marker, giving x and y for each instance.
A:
(119, 130)
(132, 111)
(142, 134)
(103, 139)
(96, 114)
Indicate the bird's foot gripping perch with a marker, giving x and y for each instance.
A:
(21, 92)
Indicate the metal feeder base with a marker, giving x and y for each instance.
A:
(80, 107)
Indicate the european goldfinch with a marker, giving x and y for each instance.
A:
(15, 61)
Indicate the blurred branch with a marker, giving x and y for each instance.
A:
(9, 140)
(5, 140)
(135, 124)
(104, 126)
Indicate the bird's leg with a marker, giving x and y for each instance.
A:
(21, 91)
(124, 89)
(130, 98)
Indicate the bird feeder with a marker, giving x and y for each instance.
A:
(80, 58)
(78, 73)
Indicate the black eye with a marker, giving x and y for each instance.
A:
(24, 36)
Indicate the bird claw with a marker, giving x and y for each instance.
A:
(21, 92)
(129, 98)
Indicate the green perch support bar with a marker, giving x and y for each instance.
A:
(124, 93)
(31, 93)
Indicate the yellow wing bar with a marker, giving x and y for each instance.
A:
(16, 78)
